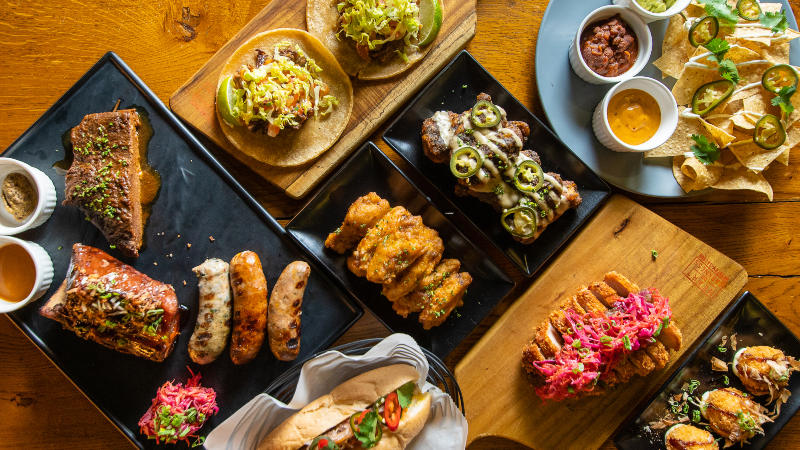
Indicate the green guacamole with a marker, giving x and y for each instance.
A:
(656, 6)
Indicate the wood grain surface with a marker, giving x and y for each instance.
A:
(48, 45)
(374, 101)
(620, 236)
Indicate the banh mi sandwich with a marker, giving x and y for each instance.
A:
(282, 98)
(381, 409)
(375, 39)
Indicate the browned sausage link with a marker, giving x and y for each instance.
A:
(249, 307)
(285, 308)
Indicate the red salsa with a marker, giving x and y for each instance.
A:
(609, 47)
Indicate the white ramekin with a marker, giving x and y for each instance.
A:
(45, 189)
(44, 272)
(648, 16)
(638, 26)
(666, 102)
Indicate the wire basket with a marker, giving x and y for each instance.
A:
(439, 375)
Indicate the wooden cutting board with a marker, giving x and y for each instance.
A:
(374, 101)
(699, 281)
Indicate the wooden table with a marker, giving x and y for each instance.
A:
(48, 45)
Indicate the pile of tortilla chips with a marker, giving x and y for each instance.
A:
(732, 123)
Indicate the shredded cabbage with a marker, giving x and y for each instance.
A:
(375, 22)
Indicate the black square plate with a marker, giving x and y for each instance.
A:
(198, 199)
(371, 171)
(753, 325)
(448, 92)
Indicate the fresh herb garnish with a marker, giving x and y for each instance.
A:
(784, 99)
(695, 416)
(366, 432)
(404, 394)
(707, 152)
(720, 9)
(776, 21)
(654, 254)
(727, 68)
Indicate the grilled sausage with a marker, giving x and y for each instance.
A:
(249, 307)
(285, 310)
(214, 316)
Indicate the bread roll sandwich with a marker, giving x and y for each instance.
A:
(382, 409)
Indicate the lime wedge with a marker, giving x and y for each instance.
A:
(226, 102)
(430, 19)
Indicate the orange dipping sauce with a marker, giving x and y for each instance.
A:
(17, 273)
(634, 116)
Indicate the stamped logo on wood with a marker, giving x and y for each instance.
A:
(705, 275)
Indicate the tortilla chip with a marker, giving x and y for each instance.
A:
(672, 62)
(745, 121)
(783, 158)
(739, 177)
(720, 136)
(686, 183)
(704, 176)
(681, 140)
(756, 158)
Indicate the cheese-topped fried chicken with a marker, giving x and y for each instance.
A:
(361, 216)
(396, 218)
(416, 300)
(409, 279)
(448, 296)
(397, 251)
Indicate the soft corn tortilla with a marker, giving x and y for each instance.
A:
(321, 19)
(316, 135)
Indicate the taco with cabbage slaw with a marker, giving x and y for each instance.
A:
(372, 39)
(282, 98)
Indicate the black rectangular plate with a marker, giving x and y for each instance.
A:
(371, 171)
(447, 92)
(754, 325)
(198, 199)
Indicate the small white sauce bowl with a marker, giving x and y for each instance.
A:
(643, 37)
(666, 102)
(648, 16)
(44, 273)
(44, 188)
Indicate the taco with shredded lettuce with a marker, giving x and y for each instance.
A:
(372, 39)
(282, 98)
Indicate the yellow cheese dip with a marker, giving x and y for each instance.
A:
(634, 116)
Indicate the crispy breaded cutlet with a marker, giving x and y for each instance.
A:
(362, 215)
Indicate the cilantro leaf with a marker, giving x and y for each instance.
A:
(707, 152)
(366, 432)
(728, 70)
(404, 394)
(784, 99)
(776, 21)
(724, 13)
(719, 47)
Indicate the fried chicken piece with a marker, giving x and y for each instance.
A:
(604, 293)
(658, 353)
(445, 298)
(623, 286)
(362, 215)
(398, 251)
(398, 217)
(409, 279)
(589, 302)
(416, 300)
(548, 339)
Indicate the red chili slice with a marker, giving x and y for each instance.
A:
(392, 411)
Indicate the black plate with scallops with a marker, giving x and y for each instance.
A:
(456, 89)
(198, 200)
(754, 325)
(369, 170)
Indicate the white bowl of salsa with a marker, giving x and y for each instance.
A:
(26, 272)
(626, 62)
(651, 16)
(636, 115)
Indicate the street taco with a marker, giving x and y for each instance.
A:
(282, 98)
(373, 39)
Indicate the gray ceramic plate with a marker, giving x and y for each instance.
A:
(569, 101)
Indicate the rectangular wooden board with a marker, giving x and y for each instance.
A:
(699, 281)
(374, 101)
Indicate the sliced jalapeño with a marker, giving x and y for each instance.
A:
(466, 162)
(778, 77)
(528, 176)
(485, 115)
(710, 95)
(520, 221)
(769, 132)
(704, 31)
(749, 9)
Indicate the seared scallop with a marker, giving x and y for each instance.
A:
(687, 437)
(763, 370)
(733, 414)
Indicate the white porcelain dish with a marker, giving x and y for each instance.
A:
(44, 188)
(643, 36)
(44, 273)
(666, 102)
(648, 16)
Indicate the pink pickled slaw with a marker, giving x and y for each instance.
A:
(178, 412)
(596, 342)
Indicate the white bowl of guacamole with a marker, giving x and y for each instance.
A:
(652, 10)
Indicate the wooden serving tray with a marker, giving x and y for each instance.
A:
(699, 281)
(374, 101)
